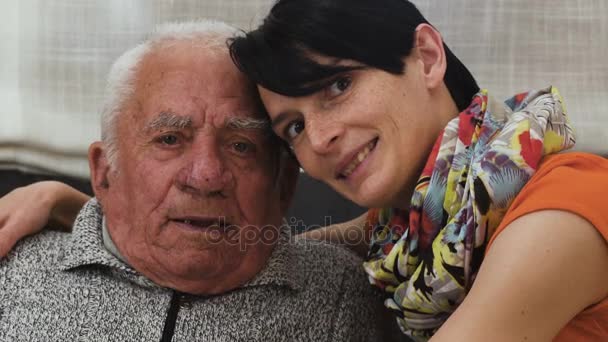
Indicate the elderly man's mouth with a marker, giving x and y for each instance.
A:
(201, 223)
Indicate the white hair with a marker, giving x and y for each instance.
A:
(121, 79)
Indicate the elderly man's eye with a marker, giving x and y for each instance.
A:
(243, 147)
(168, 140)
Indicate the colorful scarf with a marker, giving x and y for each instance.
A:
(427, 258)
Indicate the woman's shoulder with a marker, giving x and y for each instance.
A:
(543, 268)
(579, 161)
(554, 233)
(575, 182)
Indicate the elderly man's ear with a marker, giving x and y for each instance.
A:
(289, 179)
(100, 169)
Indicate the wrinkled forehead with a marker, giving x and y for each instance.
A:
(197, 82)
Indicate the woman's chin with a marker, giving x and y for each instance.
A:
(375, 194)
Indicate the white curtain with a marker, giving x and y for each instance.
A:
(516, 45)
(54, 59)
(55, 55)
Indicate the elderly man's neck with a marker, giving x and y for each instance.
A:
(108, 243)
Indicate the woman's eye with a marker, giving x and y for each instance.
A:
(339, 86)
(294, 129)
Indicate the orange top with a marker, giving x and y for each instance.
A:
(578, 183)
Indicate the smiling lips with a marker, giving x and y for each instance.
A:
(357, 159)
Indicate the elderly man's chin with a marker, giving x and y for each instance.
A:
(206, 271)
(205, 261)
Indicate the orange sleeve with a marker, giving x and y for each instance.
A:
(578, 183)
(574, 182)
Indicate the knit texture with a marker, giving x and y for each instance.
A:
(68, 287)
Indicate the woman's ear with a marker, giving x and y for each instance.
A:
(431, 53)
(100, 169)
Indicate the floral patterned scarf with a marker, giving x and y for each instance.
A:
(427, 258)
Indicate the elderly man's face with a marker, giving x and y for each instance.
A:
(192, 193)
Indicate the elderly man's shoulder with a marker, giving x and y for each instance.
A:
(327, 256)
(333, 267)
(45, 249)
(335, 283)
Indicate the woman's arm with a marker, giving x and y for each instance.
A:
(28, 209)
(352, 234)
(541, 271)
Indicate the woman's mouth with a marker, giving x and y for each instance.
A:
(357, 159)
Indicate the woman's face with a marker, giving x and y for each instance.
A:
(367, 134)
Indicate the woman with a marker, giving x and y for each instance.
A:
(484, 235)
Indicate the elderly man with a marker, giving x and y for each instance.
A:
(181, 242)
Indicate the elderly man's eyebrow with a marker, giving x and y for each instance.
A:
(168, 120)
(247, 123)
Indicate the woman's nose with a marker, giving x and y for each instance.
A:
(323, 136)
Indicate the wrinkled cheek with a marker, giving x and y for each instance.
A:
(253, 242)
(137, 201)
(152, 183)
(259, 200)
(249, 237)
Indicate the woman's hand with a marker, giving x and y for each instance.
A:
(28, 209)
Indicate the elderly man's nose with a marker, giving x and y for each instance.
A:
(206, 174)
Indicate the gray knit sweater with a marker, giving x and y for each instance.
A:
(68, 287)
